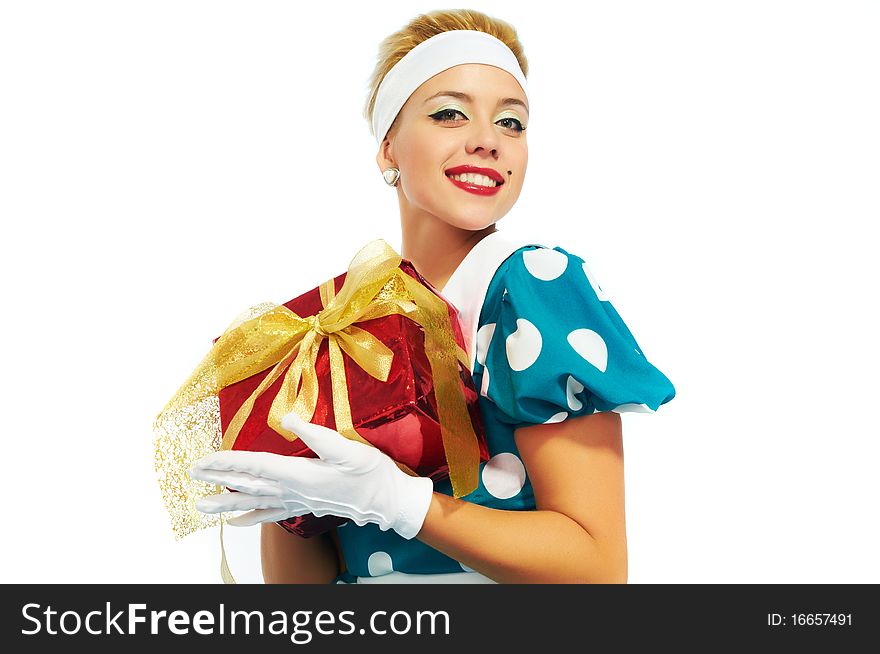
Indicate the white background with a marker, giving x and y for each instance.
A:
(164, 165)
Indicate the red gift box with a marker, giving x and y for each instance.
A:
(398, 416)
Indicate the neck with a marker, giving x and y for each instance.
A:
(435, 247)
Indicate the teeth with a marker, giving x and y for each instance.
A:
(473, 178)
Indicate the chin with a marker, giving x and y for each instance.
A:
(471, 224)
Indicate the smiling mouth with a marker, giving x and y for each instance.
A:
(475, 180)
(480, 185)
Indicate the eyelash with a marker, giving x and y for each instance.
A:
(456, 111)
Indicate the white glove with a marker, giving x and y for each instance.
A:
(349, 480)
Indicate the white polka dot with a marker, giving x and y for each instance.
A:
(556, 417)
(484, 338)
(635, 408)
(590, 346)
(504, 475)
(572, 387)
(484, 385)
(592, 279)
(465, 568)
(545, 264)
(341, 582)
(523, 346)
(379, 564)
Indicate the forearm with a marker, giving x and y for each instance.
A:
(520, 546)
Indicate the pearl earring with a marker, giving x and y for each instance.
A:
(391, 176)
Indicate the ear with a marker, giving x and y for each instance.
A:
(384, 157)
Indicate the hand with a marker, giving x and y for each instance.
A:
(350, 480)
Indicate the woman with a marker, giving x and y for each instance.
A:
(553, 361)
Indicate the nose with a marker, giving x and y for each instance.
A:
(483, 138)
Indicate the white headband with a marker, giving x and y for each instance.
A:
(433, 56)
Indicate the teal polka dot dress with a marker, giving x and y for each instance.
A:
(549, 346)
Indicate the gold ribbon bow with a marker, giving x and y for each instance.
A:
(189, 425)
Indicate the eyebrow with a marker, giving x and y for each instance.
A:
(504, 102)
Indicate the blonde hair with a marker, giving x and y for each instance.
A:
(423, 27)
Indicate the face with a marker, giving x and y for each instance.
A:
(436, 133)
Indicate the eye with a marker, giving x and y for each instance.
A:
(440, 116)
(520, 127)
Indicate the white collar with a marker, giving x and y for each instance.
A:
(466, 288)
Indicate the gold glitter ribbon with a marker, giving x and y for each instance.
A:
(189, 425)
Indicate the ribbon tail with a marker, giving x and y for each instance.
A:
(225, 572)
(289, 397)
(247, 406)
(459, 439)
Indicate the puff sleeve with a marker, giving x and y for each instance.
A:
(554, 347)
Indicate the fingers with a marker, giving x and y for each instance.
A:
(258, 464)
(225, 502)
(260, 508)
(239, 481)
(274, 515)
(327, 443)
(262, 515)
